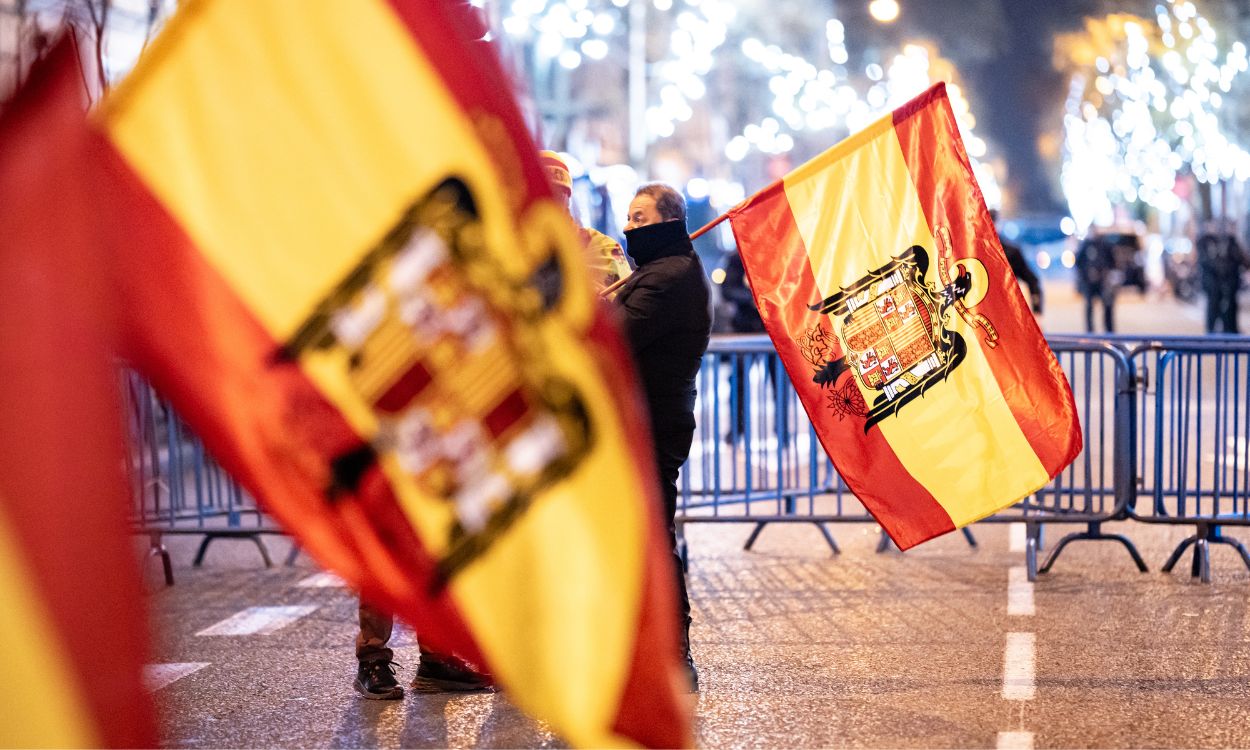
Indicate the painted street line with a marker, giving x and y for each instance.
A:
(324, 580)
(1019, 667)
(1019, 592)
(1015, 741)
(1018, 536)
(157, 676)
(259, 620)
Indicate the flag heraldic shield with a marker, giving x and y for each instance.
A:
(884, 288)
(343, 265)
(73, 633)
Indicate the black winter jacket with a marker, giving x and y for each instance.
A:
(666, 313)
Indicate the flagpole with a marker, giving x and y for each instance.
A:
(696, 234)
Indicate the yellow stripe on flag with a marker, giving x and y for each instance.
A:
(854, 218)
(284, 176)
(42, 704)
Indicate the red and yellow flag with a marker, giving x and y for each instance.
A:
(885, 290)
(342, 264)
(72, 628)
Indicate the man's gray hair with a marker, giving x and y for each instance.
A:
(668, 202)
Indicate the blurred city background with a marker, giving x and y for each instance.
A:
(1125, 119)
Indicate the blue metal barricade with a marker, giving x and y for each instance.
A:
(1165, 424)
(176, 487)
(756, 458)
(1193, 441)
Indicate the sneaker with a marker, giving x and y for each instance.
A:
(376, 681)
(443, 674)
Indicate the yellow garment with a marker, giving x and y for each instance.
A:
(605, 259)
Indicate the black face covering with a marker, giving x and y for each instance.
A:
(645, 244)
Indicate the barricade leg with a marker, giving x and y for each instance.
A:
(755, 534)
(885, 543)
(1176, 554)
(1094, 533)
(251, 535)
(1205, 536)
(1032, 541)
(157, 548)
(824, 530)
(1219, 538)
(293, 555)
(683, 550)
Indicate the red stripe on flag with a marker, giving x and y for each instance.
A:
(186, 330)
(1032, 382)
(62, 491)
(651, 705)
(776, 260)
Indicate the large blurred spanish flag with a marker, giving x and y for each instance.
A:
(341, 262)
(72, 628)
(885, 290)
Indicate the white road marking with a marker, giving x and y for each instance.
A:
(1019, 592)
(1018, 536)
(1015, 741)
(325, 580)
(157, 676)
(1019, 667)
(259, 620)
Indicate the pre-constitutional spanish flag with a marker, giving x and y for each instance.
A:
(341, 262)
(885, 290)
(73, 635)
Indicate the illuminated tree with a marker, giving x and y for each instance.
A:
(1150, 102)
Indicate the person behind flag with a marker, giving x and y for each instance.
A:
(604, 257)
(436, 673)
(1020, 266)
(666, 313)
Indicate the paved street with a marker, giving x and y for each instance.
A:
(944, 646)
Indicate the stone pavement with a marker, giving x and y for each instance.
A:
(796, 648)
(943, 646)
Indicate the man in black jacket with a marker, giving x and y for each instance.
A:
(666, 314)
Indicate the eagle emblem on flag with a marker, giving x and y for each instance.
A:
(436, 342)
(892, 328)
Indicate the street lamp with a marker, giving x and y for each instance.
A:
(884, 11)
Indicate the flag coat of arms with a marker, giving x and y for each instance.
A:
(884, 288)
(339, 259)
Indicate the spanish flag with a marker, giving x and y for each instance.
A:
(885, 290)
(73, 631)
(340, 261)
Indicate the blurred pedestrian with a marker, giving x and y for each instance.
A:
(1096, 280)
(666, 313)
(1020, 267)
(1221, 259)
(604, 256)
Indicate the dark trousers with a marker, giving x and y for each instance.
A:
(1105, 294)
(375, 632)
(672, 448)
(1222, 308)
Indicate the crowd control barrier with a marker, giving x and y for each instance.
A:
(756, 458)
(1165, 423)
(176, 487)
(1192, 438)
